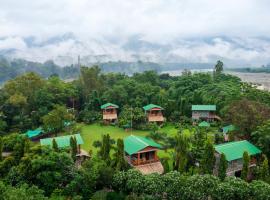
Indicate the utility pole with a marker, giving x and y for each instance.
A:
(79, 61)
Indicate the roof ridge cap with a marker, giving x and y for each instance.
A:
(140, 140)
(230, 143)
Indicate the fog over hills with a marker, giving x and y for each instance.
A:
(160, 31)
(64, 50)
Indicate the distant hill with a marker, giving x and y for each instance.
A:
(263, 69)
(11, 68)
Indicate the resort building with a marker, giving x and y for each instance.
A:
(63, 141)
(154, 113)
(204, 124)
(35, 134)
(226, 130)
(109, 112)
(204, 112)
(234, 155)
(141, 153)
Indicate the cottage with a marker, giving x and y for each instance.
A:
(234, 153)
(35, 134)
(141, 153)
(154, 113)
(229, 128)
(204, 112)
(204, 124)
(109, 112)
(63, 141)
(226, 130)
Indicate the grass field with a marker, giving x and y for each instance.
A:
(93, 132)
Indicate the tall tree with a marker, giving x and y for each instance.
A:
(181, 149)
(1, 148)
(55, 145)
(90, 80)
(245, 169)
(73, 146)
(264, 170)
(208, 160)
(247, 115)
(261, 137)
(222, 168)
(119, 160)
(105, 148)
(218, 68)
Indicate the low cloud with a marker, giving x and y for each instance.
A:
(180, 30)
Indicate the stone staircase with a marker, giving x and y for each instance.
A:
(155, 167)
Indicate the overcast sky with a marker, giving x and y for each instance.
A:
(156, 21)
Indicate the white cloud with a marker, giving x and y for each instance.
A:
(12, 42)
(96, 23)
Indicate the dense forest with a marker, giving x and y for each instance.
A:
(30, 171)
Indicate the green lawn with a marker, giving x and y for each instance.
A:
(93, 132)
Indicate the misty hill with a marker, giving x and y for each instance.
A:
(263, 69)
(12, 68)
(64, 50)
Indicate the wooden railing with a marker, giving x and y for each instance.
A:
(198, 116)
(109, 116)
(143, 162)
(134, 161)
(155, 118)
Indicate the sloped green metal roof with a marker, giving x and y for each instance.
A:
(204, 124)
(34, 133)
(235, 150)
(67, 123)
(151, 106)
(134, 144)
(104, 106)
(62, 141)
(204, 107)
(229, 128)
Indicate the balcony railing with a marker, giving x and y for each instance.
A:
(142, 161)
(155, 118)
(109, 116)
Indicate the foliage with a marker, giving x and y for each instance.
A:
(222, 168)
(74, 148)
(48, 171)
(1, 148)
(208, 160)
(119, 161)
(261, 137)
(30, 101)
(105, 148)
(55, 145)
(132, 116)
(181, 152)
(247, 115)
(260, 190)
(55, 120)
(232, 188)
(23, 192)
(218, 68)
(245, 169)
(264, 170)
